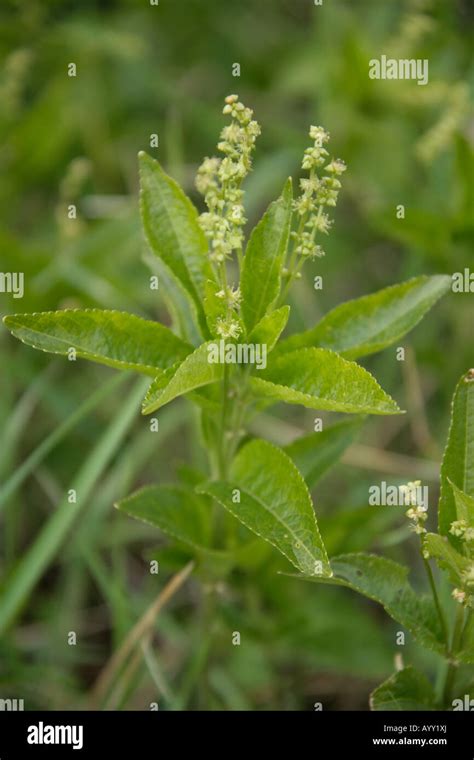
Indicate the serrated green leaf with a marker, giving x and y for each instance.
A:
(175, 510)
(194, 372)
(114, 338)
(446, 555)
(270, 327)
(458, 460)
(274, 503)
(264, 258)
(464, 505)
(320, 379)
(408, 689)
(369, 324)
(172, 230)
(315, 453)
(386, 582)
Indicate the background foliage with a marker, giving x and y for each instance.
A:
(165, 70)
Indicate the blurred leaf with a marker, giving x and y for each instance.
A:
(320, 379)
(269, 496)
(264, 258)
(178, 301)
(175, 510)
(458, 461)
(114, 338)
(34, 562)
(194, 372)
(407, 689)
(40, 452)
(371, 323)
(386, 582)
(315, 453)
(466, 654)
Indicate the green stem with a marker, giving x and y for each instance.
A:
(454, 648)
(293, 270)
(439, 609)
(222, 459)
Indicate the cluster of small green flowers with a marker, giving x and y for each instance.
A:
(459, 595)
(462, 530)
(231, 295)
(417, 514)
(228, 328)
(465, 596)
(467, 576)
(409, 492)
(317, 193)
(219, 180)
(465, 533)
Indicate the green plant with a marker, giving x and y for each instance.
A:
(452, 548)
(224, 352)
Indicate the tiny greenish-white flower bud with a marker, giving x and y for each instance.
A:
(336, 166)
(309, 185)
(313, 158)
(467, 576)
(458, 528)
(304, 204)
(459, 595)
(469, 535)
(231, 295)
(234, 297)
(319, 135)
(416, 513)
(409, 492)
(417, 528)
(237, 214)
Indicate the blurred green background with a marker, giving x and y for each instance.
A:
(165, 70)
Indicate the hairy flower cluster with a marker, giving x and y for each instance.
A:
(228, 328)
(417, 514)
(317, 193)
(219, 181)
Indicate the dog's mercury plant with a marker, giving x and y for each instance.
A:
(252, 485)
